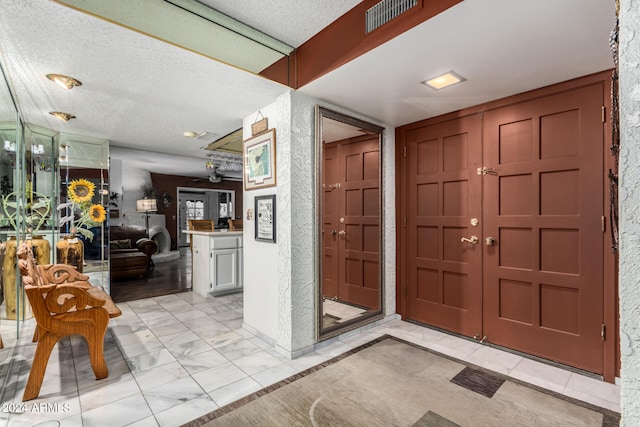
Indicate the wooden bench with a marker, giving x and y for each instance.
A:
(3, 248)
(64, 303)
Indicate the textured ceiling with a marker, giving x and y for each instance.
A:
(502, 47)
(137, 92)
(290, 21)
(142, 94)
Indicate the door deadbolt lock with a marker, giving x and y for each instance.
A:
(490, 241)
(474, 222)
(473, 240)
(341, 220)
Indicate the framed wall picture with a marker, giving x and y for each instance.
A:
(265, 218)
(260, 161)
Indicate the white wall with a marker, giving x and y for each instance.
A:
(130, 190)
(261, 258)
(630, 211)
(279, 279)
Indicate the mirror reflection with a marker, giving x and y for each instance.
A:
(349, 167)
(216, 206)
(8, 144)
(83, 205)
(36, 205)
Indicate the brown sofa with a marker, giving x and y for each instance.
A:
(130, 252)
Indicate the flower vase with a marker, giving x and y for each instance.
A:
(41, 251)
(70, 251)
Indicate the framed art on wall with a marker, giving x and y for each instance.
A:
(265, 223)
(260, 161)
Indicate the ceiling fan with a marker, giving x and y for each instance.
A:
(220, 172)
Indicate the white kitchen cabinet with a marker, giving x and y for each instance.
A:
(216, 262)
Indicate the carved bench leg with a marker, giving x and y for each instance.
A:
(95, 343)
(39, 365)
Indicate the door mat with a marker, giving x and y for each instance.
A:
(391, 382)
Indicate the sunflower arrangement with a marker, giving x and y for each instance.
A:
(80, 192)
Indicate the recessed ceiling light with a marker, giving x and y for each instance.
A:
(63, 81)
(190, 134)
(65, 117)
(444, 80)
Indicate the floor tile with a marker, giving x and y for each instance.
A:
(238, 349)
(145, 422)
(168, 395)
(174, 358)
(493, 359)
(150, 360)
(541, 374)
(274, 374)
(234, 391)
(203, 361)
(219, 376)
(593, 391)
(104, 393)
(185, 412)
(170, 329)
(160, 375)
(118, 413)
(455, 347)
(256, 362)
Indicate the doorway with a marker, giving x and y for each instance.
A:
(351, 218)
(217, 205)
(504, 237)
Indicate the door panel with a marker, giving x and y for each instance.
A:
(443, 194)
(543, 280)
(359, 219)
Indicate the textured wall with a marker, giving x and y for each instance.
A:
(262, 260)
(302, 225)
(280, 290)
(630, 211)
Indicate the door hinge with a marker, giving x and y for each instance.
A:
(404, 289)
(603, 332)
(404, 151)
(604, 109)
(603, 223)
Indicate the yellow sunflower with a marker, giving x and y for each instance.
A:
(81, 190)
(97, 213)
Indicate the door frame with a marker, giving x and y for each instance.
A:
(611, 353)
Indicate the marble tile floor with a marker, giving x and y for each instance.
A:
(341, 311)
(174, 358)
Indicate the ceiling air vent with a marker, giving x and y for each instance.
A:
(387, 10)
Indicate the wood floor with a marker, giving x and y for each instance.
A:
(165, 278)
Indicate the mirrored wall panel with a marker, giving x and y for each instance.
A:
(350, 220)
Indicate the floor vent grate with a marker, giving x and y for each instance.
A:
(385, 11)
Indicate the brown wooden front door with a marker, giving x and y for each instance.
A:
(531, 173)
(543, 279)
(352, 209)
(443, 195)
